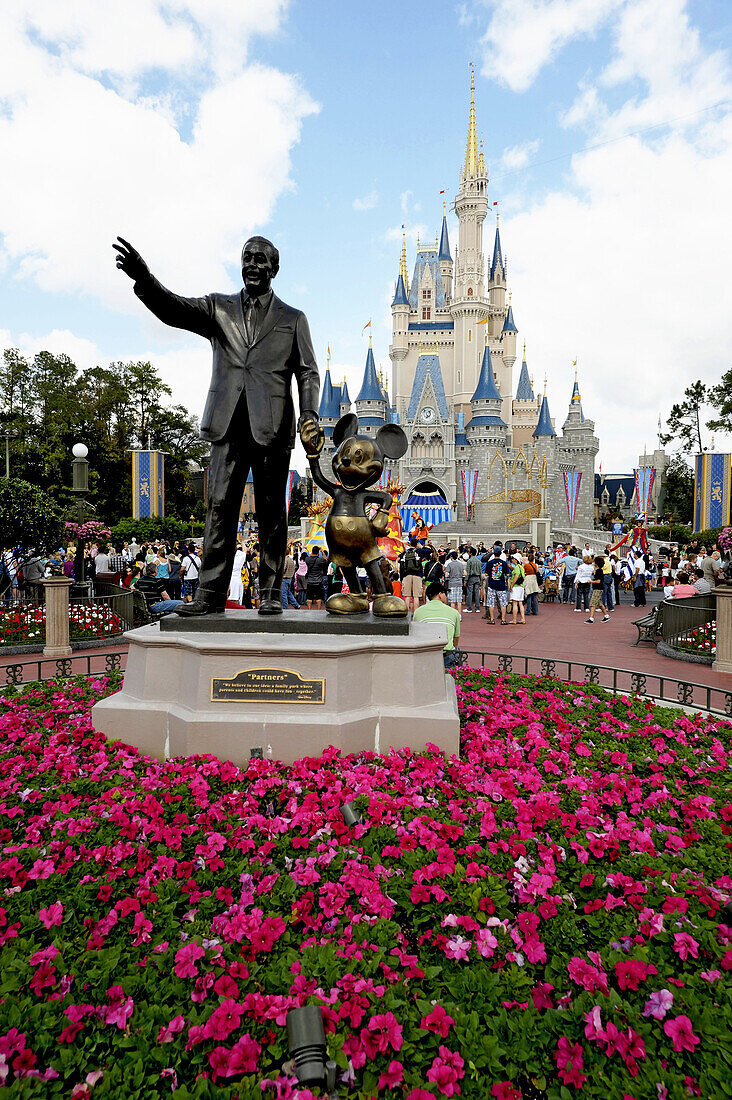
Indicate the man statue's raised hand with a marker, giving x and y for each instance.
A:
(130, 261)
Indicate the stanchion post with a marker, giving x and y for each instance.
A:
(723, 661)
(57, 617)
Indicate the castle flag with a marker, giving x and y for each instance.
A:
(148, 484)
(712, 490)
(644, 478)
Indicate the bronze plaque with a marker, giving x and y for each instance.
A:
(267, 685)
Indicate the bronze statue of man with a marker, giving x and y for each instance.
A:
(259, 344)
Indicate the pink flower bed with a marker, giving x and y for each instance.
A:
(544, 916)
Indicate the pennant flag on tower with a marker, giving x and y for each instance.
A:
(571, 489)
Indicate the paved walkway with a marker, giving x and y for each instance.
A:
(560, 633)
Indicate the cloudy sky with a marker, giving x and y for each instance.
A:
(186, 126)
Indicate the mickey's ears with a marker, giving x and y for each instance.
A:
(392, 441)
(346, 427)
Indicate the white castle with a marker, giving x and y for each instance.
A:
(453, 352)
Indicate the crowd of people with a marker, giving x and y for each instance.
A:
(504, 583)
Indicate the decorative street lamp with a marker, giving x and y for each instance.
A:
(80, 487)
(192, 519)
(7, 436)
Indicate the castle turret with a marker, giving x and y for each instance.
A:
(574, 413)
(400, 311)
(486, 423)
(329, 408)
(345, 401)
(444, 257)
(370, 403)
(545, 428)
(497, 281)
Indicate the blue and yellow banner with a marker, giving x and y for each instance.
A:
(148, 484)
(712, 482)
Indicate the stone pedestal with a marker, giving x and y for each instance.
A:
(282, 695)
(723, 662)
(57, 616)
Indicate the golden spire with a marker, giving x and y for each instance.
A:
(418, 242)
(545, 385)
(481, 162)
(327, 367)
(403, 262)
(524, 349)
(444, 208)
(471, 149)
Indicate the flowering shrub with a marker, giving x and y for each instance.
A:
(544, 916)
(25, 623)
(702, 640)
(92, 529)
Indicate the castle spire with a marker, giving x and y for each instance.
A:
(471, 149)
(403, 263)
(544, 426)
(444, 253)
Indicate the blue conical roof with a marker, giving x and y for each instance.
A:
(497, 265)
(400, 294)
(345, 399)
(486, 390)
(329, 404)
(509, 324)
(544, 427)
(444, 253)
(370, 388)
(525, 391)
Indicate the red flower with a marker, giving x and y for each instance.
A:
(568, 1057)
(437, 1021)
(680, 1032)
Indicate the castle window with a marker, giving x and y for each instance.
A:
(470, 292)
(426, 294)
(458, 377)
(470, 334)
(425, 313)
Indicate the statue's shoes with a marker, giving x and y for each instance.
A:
(270, 606)
(388, 605)
(347, 603)
(208, 605)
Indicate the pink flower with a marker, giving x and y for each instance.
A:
(437, 1021)
(393, 1076)
(679, 1031)
(242, 1058)
(185, 959)
(457, 947)
(589, 977)
(169, 1031)
(445, 1071)
(42, 868)
(504, 1090)
(120, 1007)
(630, 972)
(541, 995)
(485, 942)
(385, 1032)
(711, 975)
(594, 1029)
(568, 1057)
(420, 1094)
(224, 1019)
(658, 1004)
(685, 945)
(52, 916)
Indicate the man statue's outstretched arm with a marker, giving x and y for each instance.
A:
(193, 314)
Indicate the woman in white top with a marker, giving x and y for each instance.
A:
(583, 583)
(236, 588)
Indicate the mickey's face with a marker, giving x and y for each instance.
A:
(357, 463)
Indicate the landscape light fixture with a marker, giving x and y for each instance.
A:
(306, 1042)
(351, 816)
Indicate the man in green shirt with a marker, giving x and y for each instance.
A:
(438, 610)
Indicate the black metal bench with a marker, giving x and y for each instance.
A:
(648, 626)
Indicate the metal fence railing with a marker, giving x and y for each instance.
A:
(49, 668)
(106, 614)
(625, 681)
(681, 618)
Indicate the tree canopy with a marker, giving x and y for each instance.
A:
(50, 404)
(29, 519)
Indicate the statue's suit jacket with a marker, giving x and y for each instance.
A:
(263, 368)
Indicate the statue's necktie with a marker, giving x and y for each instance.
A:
(252, 319)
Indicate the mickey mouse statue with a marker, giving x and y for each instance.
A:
(351, 536)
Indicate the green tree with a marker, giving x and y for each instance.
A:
(720, 398)
(678, 500)
(685, 419)
(29, 519)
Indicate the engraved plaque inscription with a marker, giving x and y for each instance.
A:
(267, 685)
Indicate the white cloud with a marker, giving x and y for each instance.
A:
(81, 351)
(524, 35)
(368, 202)
(86, 158)
(635, 247)
(518, 156)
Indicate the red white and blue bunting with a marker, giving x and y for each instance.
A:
(571, 489)
(644, 478)
(470, 482)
